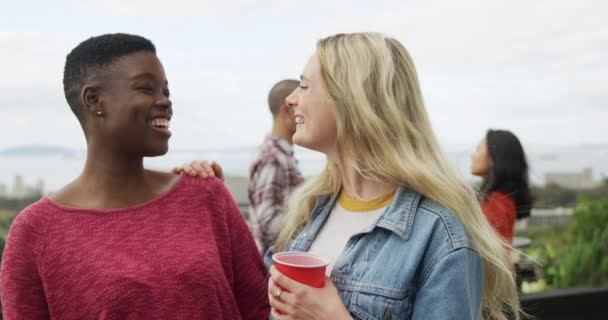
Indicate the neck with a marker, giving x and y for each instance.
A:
(279, 130)
(359, 187)
(112, 172)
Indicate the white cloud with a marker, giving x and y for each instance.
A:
(536, 67)
(209, 8)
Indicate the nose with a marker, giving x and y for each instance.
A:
(165, 103)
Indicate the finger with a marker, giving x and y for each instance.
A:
(190, 170)
(283, 281)
(200, 170)
(208, 169)
(279, 304)
(286, 296)
(276, 315)
(219, 172)
(177, 169)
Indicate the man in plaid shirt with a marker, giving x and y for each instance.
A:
(273, 173)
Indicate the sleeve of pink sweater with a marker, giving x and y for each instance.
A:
(22, 291)
(250, 275)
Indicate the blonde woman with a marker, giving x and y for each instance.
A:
(405, 234)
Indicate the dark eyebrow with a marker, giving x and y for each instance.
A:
(147, 76)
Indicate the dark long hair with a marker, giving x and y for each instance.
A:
(509, 171)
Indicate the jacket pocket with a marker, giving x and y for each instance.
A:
(373, 302)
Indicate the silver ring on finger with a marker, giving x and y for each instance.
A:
(277, 294)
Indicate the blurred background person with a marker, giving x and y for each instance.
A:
(505, 193)
(273, 174)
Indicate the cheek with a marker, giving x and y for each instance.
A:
(484, 159)
(487, 165)
(330, 128)
(475, 159)
(481, 164)
(129, 125)
(127, 121)
(323, 130)
(476, 164)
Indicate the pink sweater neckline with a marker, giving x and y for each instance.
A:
(159, 199)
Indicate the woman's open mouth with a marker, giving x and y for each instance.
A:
(160, 125)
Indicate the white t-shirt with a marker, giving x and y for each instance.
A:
(347, 218)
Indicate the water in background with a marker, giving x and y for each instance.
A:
(57, 170)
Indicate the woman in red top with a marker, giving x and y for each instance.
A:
(501, 162)
(120, 241)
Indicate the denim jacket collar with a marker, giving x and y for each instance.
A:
(398, 216)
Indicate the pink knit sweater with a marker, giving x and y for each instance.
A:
(185, 255)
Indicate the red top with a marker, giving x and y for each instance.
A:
(185, 255)
(501, 212)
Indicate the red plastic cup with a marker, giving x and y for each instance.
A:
(302, 267)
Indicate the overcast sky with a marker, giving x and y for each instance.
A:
(539, 68)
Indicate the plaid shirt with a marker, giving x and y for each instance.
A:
(272, 176)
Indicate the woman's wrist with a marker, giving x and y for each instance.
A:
(341, 314)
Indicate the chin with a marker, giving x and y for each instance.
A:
(477, 173)
(157, 151)
(307, 143)
(300, 141)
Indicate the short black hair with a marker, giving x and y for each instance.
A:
(278, 93)
(509, 171)
(91, 56)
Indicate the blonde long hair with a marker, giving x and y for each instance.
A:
(383, 130)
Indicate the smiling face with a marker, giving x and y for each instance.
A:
(133, 96)
(314, 117)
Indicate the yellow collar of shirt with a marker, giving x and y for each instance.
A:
(355, 205)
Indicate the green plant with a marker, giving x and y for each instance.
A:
(6, 218)
(584, 261)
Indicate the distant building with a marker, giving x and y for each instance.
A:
(572, 180)
(39, 187)
(18, 187)
(21, 190)
(3, 190)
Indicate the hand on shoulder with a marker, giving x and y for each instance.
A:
(201, 168)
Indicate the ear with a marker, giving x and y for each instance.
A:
(90, 99)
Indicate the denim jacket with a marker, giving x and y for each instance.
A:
(414, 262)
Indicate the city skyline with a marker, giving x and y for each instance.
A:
(20, 189)
(61, 167)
